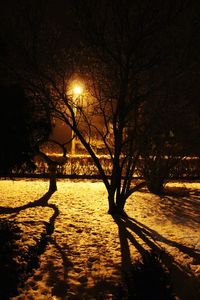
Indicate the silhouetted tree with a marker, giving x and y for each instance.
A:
(171, 135)
(171, 130)
(160, 150)
(120, 49)
(170, 124)
(128, 52)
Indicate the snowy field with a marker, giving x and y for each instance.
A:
(88, 249)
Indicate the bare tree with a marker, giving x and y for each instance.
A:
(160, 148)
(117, 51)
(169, 136)
(125, 51)
(171, 124)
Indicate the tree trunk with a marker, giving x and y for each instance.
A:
(120, 202)
(52, 178)
(155, 186)
(116, 207)
(111, 204)
(120, 206)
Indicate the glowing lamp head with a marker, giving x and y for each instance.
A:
(78, 90)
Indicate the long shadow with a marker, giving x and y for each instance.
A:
(155, 236)
(181, 191)
(32, 256)
(43, 201)
(55, 280)
(34, 252)
(181, 205)
(184, 210)
(186, 286)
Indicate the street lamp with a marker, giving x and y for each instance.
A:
(77, 91)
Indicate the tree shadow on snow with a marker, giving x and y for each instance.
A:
(30, 256)
(55, 279)
(176, 191)
(181, 209)
(157, 273)
(43, 201)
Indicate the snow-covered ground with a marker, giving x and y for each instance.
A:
(88, 249)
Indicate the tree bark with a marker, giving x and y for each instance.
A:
(111, 204)
(155, 186)
(121, 204)
(52, 177)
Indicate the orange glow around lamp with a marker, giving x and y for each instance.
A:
(78, 90)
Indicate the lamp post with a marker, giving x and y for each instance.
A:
(77, 93)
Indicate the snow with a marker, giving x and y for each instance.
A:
(88, 249)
